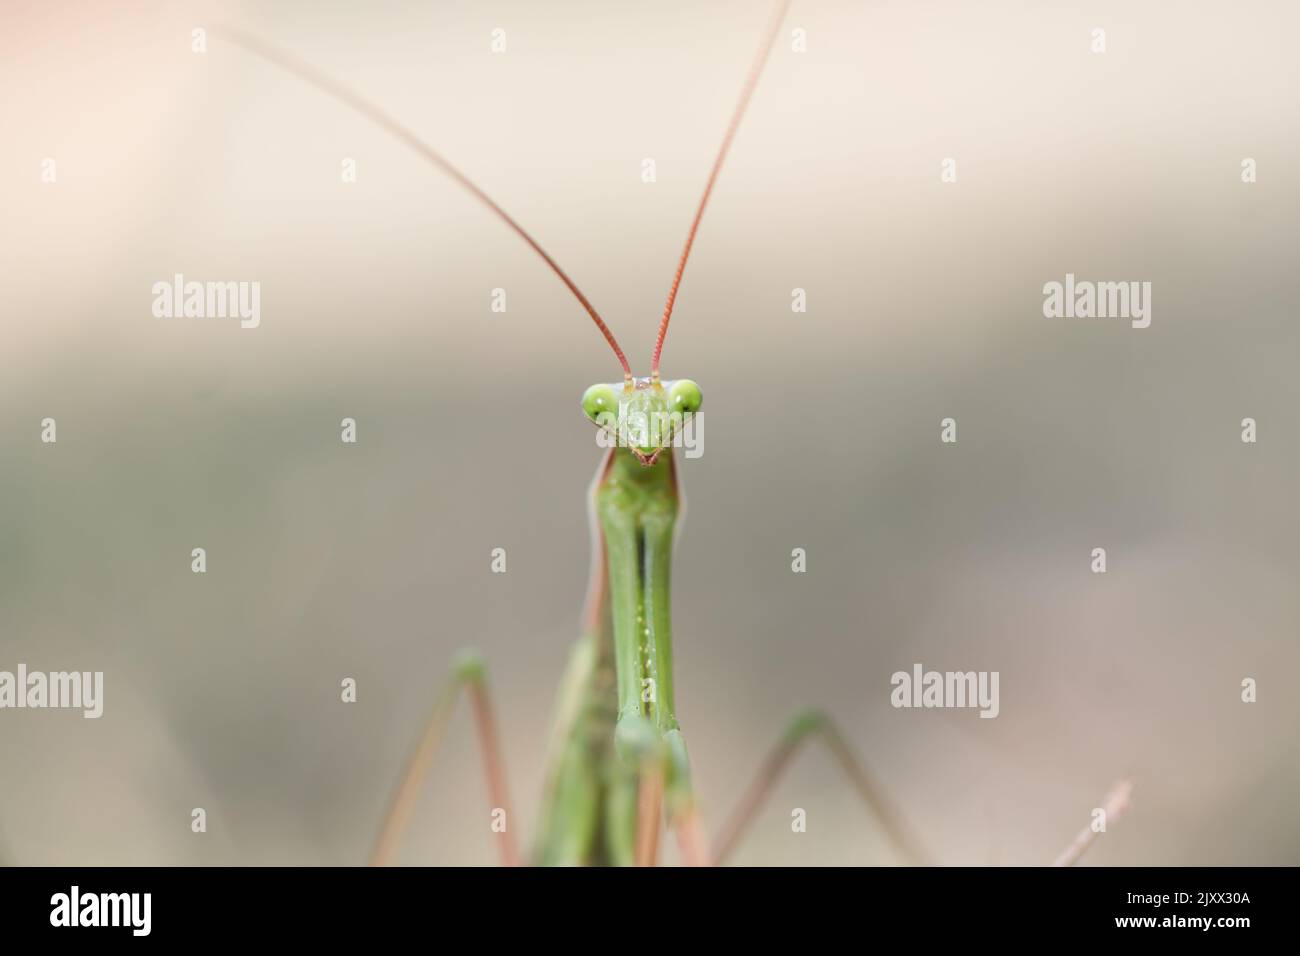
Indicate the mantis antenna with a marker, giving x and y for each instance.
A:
(755, 69)
(372, 112)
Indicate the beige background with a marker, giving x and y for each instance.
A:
(371, 561)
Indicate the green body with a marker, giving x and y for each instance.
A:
(616, 717)
(615, 707)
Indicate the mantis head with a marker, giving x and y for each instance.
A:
(642, 414)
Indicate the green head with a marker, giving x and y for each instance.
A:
(643, 414)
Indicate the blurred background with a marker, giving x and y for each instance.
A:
(371, 561)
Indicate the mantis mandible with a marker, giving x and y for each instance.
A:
(617, 766)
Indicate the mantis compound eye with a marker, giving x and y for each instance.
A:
(600, 400)
(685, 396)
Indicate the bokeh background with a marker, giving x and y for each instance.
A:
(371, 560)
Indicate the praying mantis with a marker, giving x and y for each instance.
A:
(617, 771)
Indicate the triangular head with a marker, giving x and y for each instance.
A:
(643, 415)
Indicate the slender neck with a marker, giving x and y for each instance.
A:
(637, 508)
